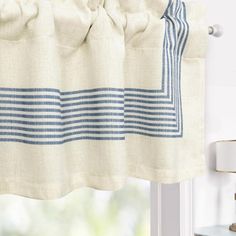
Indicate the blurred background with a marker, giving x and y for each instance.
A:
(83, 212)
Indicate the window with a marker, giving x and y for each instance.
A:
(84, 212)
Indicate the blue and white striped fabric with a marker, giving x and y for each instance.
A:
(94, 91)
(50, 116)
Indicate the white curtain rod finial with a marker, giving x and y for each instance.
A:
(216, 30)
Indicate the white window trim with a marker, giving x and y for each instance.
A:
(171, 209)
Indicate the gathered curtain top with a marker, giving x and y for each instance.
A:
(72, 21)
(75, 18)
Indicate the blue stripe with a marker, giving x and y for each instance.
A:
(97, 108)
(60, 104)
(150, 118)
(93, 96)
(84, 102)
(61, 98)
(59, 116)
(30, 89)
(172, 54)
(93, 102)
(144, 96)
(57, 136)
(148, 102)
(147, 108)
(92, 90)
(149, 124)
(127, 127)
(78, 91)
(48, 123)
(59, 110)
(93, 108)
(127, 111)
(157, 135)
(142, 90)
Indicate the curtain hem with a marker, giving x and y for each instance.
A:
(47, 191)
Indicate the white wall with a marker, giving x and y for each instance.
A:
(214, 192)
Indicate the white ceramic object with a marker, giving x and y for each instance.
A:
(226, 156)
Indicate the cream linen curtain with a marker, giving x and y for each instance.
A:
(92, 92)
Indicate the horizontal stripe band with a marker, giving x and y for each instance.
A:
(37, 118)
(61, 98)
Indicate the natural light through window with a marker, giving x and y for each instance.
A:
(84, 212)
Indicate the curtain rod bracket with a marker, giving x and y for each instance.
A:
(216, 30)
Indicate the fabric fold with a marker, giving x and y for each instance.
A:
(72, 19)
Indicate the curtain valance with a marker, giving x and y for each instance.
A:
(92, 92)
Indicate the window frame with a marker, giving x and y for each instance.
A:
(171, 209)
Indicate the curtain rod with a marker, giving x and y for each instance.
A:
(215, 30)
